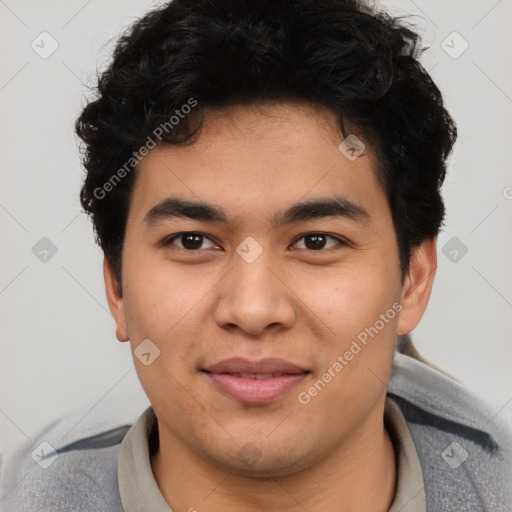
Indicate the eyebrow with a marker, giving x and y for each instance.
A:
(335, 206)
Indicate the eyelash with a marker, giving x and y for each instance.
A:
(341, 242)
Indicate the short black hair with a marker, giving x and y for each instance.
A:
(358, 62)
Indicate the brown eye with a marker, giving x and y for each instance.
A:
(317, 241)
(190, 241)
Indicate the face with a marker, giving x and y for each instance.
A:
(293, 256)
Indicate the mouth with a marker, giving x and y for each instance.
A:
(256, 382)
(258, 376)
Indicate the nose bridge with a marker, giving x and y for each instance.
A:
(254, 280)
(252, 297)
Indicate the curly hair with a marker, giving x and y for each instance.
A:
(358, 62)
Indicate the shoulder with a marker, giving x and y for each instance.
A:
(71, 464)
(464, 446)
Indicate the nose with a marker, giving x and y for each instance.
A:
(254, 297)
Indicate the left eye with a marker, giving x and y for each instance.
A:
(317, 241)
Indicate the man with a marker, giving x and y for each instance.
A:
(264, 180)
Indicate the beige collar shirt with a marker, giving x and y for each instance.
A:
(140, 493)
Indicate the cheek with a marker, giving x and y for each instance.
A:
(361, 309)
(163, 308)
(347, 300)
(159, 299)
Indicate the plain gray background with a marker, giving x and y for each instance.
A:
(58, 347)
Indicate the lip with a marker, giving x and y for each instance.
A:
(226, 376)
(242, 365)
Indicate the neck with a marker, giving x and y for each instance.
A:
(358, 476)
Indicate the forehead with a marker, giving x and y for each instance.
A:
(252, 157)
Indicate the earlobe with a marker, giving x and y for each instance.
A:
(115, 301)
(417, 285)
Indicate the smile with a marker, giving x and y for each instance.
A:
(255, 388)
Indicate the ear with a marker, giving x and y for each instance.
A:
(417, 285)
(115, 301)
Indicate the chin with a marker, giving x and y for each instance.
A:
(252, 463)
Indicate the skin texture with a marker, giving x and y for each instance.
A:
(204, 305)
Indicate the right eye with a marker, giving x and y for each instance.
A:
(189, 241)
